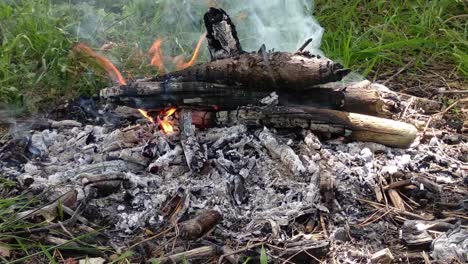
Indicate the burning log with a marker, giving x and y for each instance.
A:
(231, 65)
(263, 71)
(361, 97)
(353, 126)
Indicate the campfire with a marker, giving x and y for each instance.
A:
(250, 150)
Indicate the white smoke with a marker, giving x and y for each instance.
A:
(283, 25)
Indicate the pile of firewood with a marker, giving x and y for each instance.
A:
(274, 89)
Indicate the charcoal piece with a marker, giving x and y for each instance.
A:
(221, 35)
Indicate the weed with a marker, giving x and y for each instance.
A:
(364, 35)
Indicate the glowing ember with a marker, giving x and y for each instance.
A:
(157, 56)
(105, 63)
(162, 118)
(180, 64)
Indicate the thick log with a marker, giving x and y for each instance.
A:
(353, 126)
(360, 97)
(263, 71)
(231, 65)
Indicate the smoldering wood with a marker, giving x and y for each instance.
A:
(221, 34)
(358, 97)
(194, 154)
(230, 65)
(263, 71)
(353, 126)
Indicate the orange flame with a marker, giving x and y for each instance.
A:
(162, 118)
(164, 122)
(180, 64)
(146, 115)
(105, 63)
(157, 56)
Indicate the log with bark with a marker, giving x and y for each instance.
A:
(359, 97)
(275, 70)
(308, 96)
(353, 126)
(262, 70)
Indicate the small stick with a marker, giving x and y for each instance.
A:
(403, 114)
(239, 251)
(398, 72)
(200, 253)
(324, 227)
(306, 43)
(397, 184)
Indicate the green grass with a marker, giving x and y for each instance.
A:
(37, 69)
(32, 247)
(365, 35)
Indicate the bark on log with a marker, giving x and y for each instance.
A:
(361, 97)
(353, 126)
(263, 71)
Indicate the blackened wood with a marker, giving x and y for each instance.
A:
(263, 71)
(193, 151)
(159, 95)
(221, 35)
(353, 126)
(360, 97)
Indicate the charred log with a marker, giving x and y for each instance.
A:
(361, 97)
(263, 71)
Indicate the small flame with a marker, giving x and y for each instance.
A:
(146, 115)
(180, 64)
(164, 121)
(157, 56)
(162, 118)
(105, 63)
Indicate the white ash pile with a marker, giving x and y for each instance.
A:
(275, 187)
